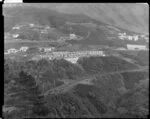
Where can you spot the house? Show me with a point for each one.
(135, 37)
(6, 53)
(15, 35)
(130, 37)
(122, 34)
(136, 47)
(122, 37)
(16, 27)
(44, 31)
(142, 36)
(12, 50)
(72, 36)
(72, 60)
(47, 27)
(24, 49)
(121, 48)
(31, 25)
(49, 49)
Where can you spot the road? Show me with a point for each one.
(65, 87)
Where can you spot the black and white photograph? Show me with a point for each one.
(76, 60)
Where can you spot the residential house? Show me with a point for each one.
(72, 36)
(136, 47)
(16, 28)
(15, 35)
(49, 49)
(24, 49)
(12, 50)
(130, 37)
(136, 37)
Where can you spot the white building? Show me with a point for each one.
(72, 60)
(130, 37)
(47, 27)
(16, 27)
(32, 25)
(122, 34)
(48, 49)
(15, 35)
(136, 47)
(6, 53)
(135, 37)
(12, 50)
(72, 36)
(122, 37)
(44, 31)
(120, 48)
(24, 49)
(142, 36)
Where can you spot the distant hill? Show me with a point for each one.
(98, 29)
(130, 16)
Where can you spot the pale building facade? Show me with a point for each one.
(136, 47)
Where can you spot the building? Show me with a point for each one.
(49, 49)
(12, 50)
(44, 31)
(72, 60)
(32, 25)
(15, 35)
(142, 36)
(135, 37)
(16, 28)
(47, 27)
(72, 36)
(120, 48)
(136, 47)
(122, 36)
(24, 49)
(130, 37)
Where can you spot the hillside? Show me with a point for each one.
(71, 60)
(133, 17)
(42, 23)
(78, 93)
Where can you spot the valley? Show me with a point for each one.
(66, 87)
(65, 60)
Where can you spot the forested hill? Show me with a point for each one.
(130, 16)
(121, 92)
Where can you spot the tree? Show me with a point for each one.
(31, 100)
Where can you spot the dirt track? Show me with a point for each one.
(65, 87)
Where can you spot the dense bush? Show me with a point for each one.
(48, 74)
(28, 96)
(135, 102)
(105, 64)
(113, 95)
(131, 78)
(141, 57)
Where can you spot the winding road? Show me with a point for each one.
(63, 88)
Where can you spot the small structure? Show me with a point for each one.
(136, 47)
(121, 48)
(24, 49)
(72, 60)
(15, 35)
(47, 49)
(136, 37)
(130, 37)
(16, 28)
(72, 36)
(32, 25)
(12, 50)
